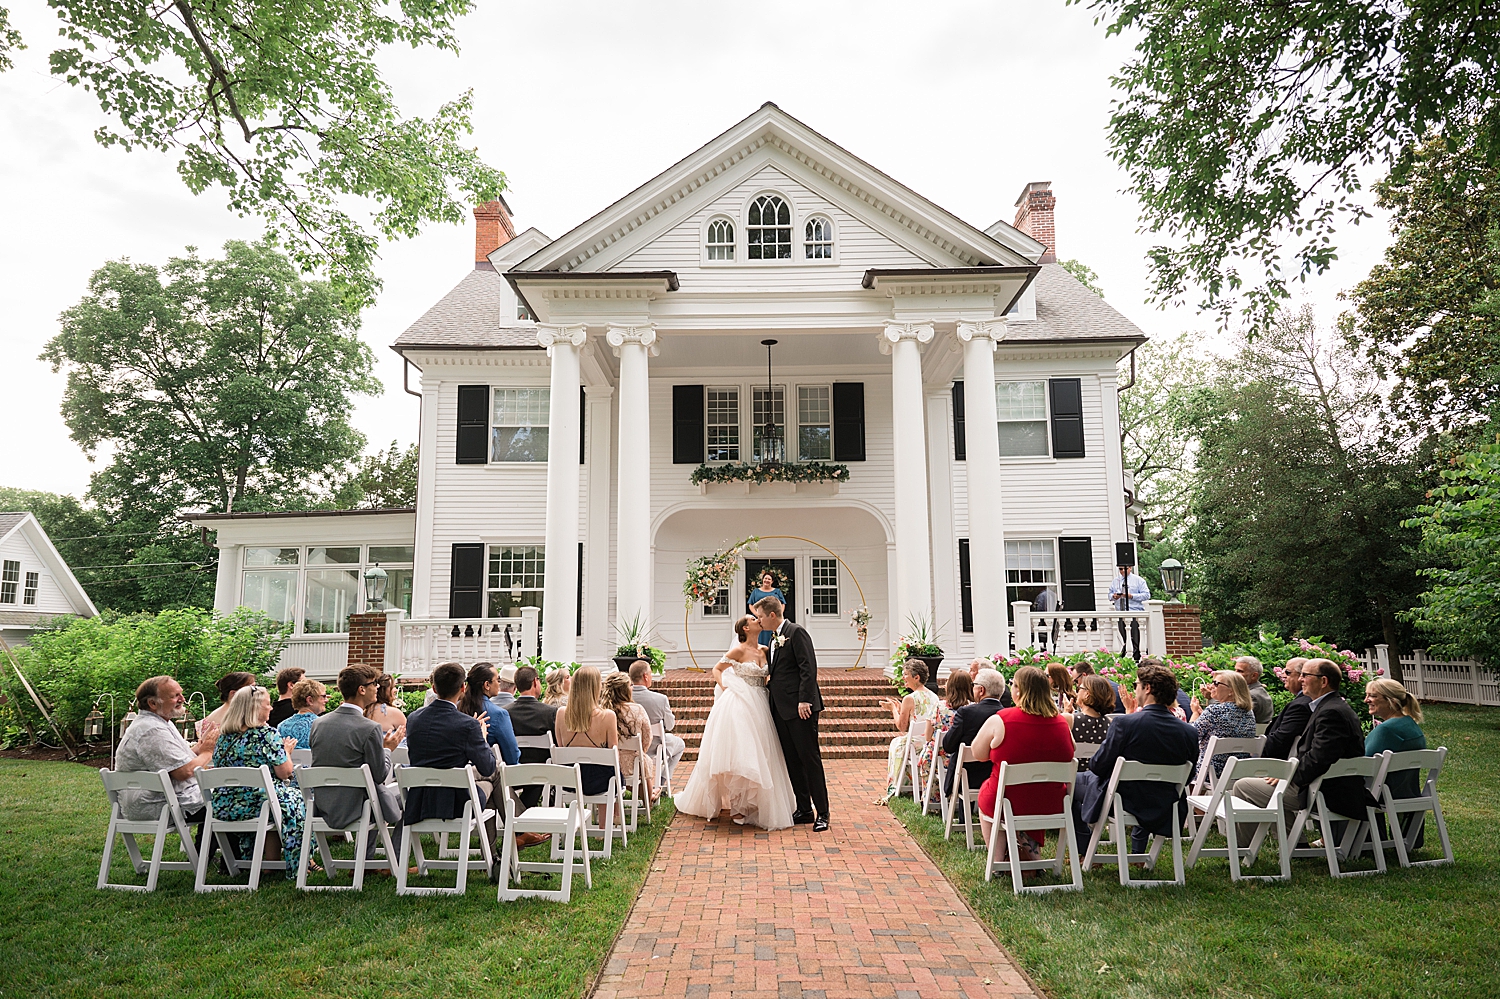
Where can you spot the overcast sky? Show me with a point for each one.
(579, 103)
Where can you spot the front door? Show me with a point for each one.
(786, 569)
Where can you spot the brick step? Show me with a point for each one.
(693, 727)
(681, 705)
(871, 711)
(830, 752)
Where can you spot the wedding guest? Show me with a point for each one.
(226, 685)
(768, 588)
(979, 664)
(1250, 668)
(153, 743)
(583, 723)
(659, 710)
(958, 691)
(967, 722)
(506, 696)
(1229, 715)
(310, 698)
(286, 679)
(246, 739)
(1181, 707)
(1286, 728)
(631, 720)
(1061, 682)
(478, 700)
(1031, 732)
(1129, 592)
(1096, 699)
(346, 738)
(920, 704)
(385, 711)
(529, 715)
(1085, 668)
(558, 682)
(1397, 717)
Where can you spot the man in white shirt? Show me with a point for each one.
(153, 743)
(1129, 592)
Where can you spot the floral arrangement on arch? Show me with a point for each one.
(859, 620)
(708, 574)
(766, 471)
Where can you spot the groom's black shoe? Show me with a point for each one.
(821, 824)
(803, 818)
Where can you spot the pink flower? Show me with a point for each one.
(1013, 661)
(1355, 674)
(1306, 645)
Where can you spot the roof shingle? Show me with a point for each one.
(468, 316)
(1066, 310)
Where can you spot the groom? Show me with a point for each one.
(795, 703)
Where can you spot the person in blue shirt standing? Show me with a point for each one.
(1129, 592)
(768, 588)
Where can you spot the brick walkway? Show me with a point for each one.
(857, 911)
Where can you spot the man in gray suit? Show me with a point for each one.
(659, 710)
(344, 737)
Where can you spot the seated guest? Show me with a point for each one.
(310, 698)
(659, 710)
(1149, 734)
(1085, 668)
(1250, 669)
(346, 738)
(979, 664)
(1397, 716)
(478, 700)
(558, 682)
(1096, 698)
(530, 716)
(153, 743)
(283, 709)
(631, 720)
(967, 722)
(1229, 714)
(246, 739)
(1061, 682)
(1031, 732)
(958, 691)
(920, 703)
(1286, 728)
(584, 724)
(385, 710)
(506, 695)
(226, 685)
(1181, 706)
(441, 736)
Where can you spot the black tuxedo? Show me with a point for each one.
(1286, 728)
(1151, 735)
(967, 721)
(1332, 734)
(793, 681)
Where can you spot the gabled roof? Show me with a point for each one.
(26, 524)
(1066, 310)
(771, 126)
(469, 317)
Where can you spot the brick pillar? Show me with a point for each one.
(367, 640)
(1184, 625)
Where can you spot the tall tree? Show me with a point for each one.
(1245, 125)
(383, 479)
(215, 382)
(1158, 447)
(283, 105)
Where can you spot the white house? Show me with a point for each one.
(571, 387)
(36, 585)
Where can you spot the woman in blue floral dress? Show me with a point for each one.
(247, 740)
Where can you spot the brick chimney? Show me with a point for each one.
(492, 230)
(1034, 217)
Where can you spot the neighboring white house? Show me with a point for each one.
(36, 585)
(570, 388)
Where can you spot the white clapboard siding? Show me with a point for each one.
(50, 598)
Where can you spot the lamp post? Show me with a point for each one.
(1171, 578)
(375, 583)
(772, 446)
(93, 724)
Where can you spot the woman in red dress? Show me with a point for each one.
(1031, 732)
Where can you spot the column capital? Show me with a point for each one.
(894, 333)
(643, 336)
(548, 335)
(993, 330)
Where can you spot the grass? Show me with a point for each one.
(60, 937)
(1419, 932)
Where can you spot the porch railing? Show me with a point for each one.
(414, 647)
(1067, 632)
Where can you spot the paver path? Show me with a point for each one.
(857, 911)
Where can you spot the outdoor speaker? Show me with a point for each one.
(1124, 553)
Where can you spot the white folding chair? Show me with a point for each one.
(266, 821)
(1356, 830)
(916, 738)
(934, 771)
(635, 783)
(1405, 839)
(400, 757)
(1084, 751)
(962, 796)
(1008, 825)
(471, 821)
(301, 757)
(610, 800)
(1260, 728)
(370, 821)
(1203, 784)
(1223, 807)
(168, 820)
(564, 823)
(543, 741)
(663, 760)
(1118, 821)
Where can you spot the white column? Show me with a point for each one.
(947, 610)
(560, 595)
(982, 458)
(227, 581)
(632, 344)
(598, 633)
(909, 446)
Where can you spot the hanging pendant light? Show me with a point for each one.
(772, 444)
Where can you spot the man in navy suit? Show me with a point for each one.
(1149, 734)
(1287, 727)
(991, 694)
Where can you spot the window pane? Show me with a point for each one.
(392, 553)
(519, 444)
(814, 443)
(1018, 440)
(331, 597)
(1021, 400)
(766, 406)
(814, 433)
(398, 589)
(333, 556)
(825, 586)
(273, 592)
(33, 580)
(719, 607)
(522, 407)
(271, 556)
(10, 580)
(525, 564)
(768, 234)
(1030, 562)
(502, 604)
(723, 425)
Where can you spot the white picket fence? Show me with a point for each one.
(1453, 681)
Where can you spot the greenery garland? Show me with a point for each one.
(769, 471)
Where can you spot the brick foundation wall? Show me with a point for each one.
(367, 640)
(1184, 624)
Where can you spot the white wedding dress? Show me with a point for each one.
(740, 765)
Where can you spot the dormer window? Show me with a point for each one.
(721, 240)
(819, 242)
(768, 230)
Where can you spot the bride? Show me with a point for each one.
(740, 765)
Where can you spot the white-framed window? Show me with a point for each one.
(396, 560)
(768, 229)
(519, 424)
(766, 405)
(819, 238)
(720, 240)
(10, 581)
(33, 580)
(270, 583)
(1030, 567)
(316, 588)
(825, 586)
(332, 590)
(517, 575)
(814, 423)
(719, 606)
(722, 424)
(1021, 409)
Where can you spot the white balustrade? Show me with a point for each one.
(429, 643)
(1065, 632)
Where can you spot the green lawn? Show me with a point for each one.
(1420, 932)
(60, 937)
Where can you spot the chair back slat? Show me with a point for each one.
(1430, 760)
(568, 755)
(1086, 750)
(316, 777)
(523, 774)
(543, 741)
(1237, 767)
(302, 758)
(1013, 774)
(1354, 766)
(132, 780)
(212, 778)
(414, 777)
(400, 757)
(1136, 770)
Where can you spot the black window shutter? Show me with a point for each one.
(583, 424)
(687, 424)
(1067, 417)
(1075, 563)
(472, 445)
(466, 581)
(965, 584)
(579, 626)
(848, 421)
(960, 435)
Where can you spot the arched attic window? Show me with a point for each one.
(819, 238)
(720, 240)
(768, 229)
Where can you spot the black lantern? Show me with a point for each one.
(772, 444)
(1172, 574)
(375, 581)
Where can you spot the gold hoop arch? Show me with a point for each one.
(687, 615)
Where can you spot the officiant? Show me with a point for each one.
(768, 588)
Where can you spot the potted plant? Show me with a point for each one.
(918, 643)
(634, 645)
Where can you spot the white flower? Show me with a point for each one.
(778, 641)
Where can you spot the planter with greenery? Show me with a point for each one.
(634, 645)
(762, 472)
